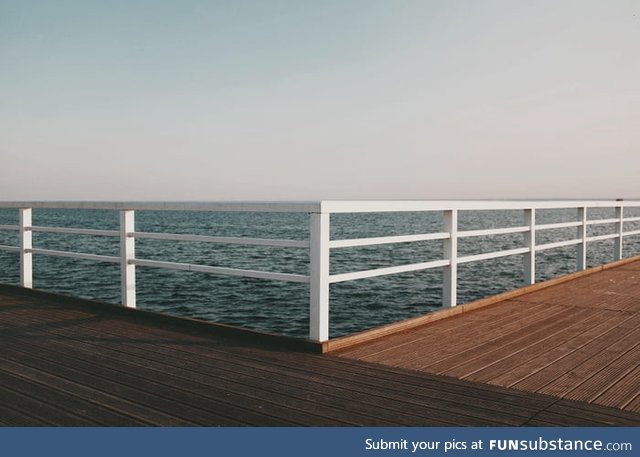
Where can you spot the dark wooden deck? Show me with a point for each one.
(579, 340)
(70, 362)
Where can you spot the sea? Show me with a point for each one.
(283, 307)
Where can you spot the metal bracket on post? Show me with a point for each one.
(127, 253)
(319, 277)
(617, 247)
(581, 234)
(26, 244)
(450, 279)
(530, 242)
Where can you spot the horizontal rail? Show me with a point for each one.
(387, 240)
(602, 221)
(557, 244)
(75, 255)
(466, 205)
(328, 206)
(10, 227)
(221, 239)
(9, 248)
(492, 255)
(74, 231)
(631, 219)
(558, 225)
(269, 207)
(498, 231)
(387, 271)
(220, 270)
(633, 232)
(603, 237)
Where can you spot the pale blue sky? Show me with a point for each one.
(296, 100)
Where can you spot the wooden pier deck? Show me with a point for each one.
(72, 362)
(579, 340)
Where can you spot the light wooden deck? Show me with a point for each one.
(579, 340)
(71, 362)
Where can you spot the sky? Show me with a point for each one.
(309, 100)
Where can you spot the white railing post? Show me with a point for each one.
(581, 234)
(530, 242)
(127, 253)
(617, 247)
(319, 277)
(26, 244)
(450, 279)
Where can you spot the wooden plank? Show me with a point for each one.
(204, 409)
(617, 367)
(634, 404)
(592, 364)
(559, 417)
(138, 412)
(621, 393)
(494, 317)
(463, 363)
(139, 394)
(630, 266)
(519, 372)
(611, 289)
(584, 414)
(544, 378)
(41, 411)
(12, 418)
(83, 412)
(447, 347)
(543, 347)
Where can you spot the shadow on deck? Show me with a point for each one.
(74, 362)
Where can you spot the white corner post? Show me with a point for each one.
(530, 243)
(127, 254)
(617, 247)
(26, 244)
(319, 277)
(581, 234)
(450, 272)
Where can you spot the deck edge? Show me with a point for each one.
(194, 326)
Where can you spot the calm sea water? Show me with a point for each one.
(283, 307)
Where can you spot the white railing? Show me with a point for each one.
(319, 243)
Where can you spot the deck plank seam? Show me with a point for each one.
(561, 374)
(106, 379)
(611, 362)
(522, 361)
(574, 350)
(551, 319)
(168, 397)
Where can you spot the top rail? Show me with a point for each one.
(325, 206)
(269, 207)
(367, 206)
